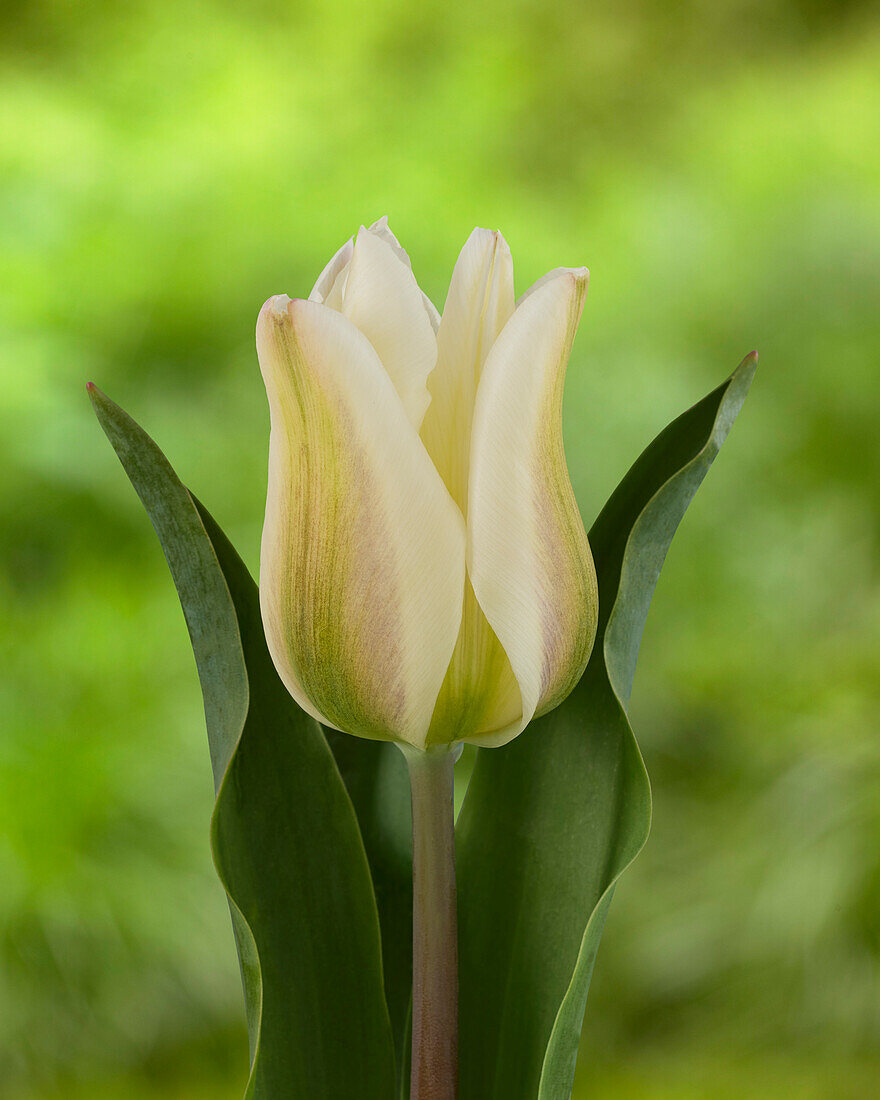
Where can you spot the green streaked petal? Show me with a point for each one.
(362, 565)
(528, 556)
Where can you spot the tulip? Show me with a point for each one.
(425, 576)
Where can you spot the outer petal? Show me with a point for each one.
(480, 693)
(362, 562)
(528, 556)
(549, 277)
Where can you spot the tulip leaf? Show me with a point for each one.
(285, 837)
(551, 820)
(377, 779)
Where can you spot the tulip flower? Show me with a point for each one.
(425, 576)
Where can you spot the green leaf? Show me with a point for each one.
(284, 833)
(377, 779)
(551, 820)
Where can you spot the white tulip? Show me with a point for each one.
(425, 576)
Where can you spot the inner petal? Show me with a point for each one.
(378, 293)
(479, 303)
(480, 693)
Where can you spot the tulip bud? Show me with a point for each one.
(425, 576)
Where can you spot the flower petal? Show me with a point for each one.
(362, 561)
(528, 556)
(382, 230)
(335, 273)
(479, 304)
(335, 266)
(549, 277)
(480, 693)
(382, 298)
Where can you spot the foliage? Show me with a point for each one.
(548, 825)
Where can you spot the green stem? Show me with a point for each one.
(435, 936)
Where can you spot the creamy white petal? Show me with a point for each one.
(479, 304)
(431, 310)
(382, 229)
(330, 284)
(337, 264)
(335, 272)
(382, 298)
(362, 559)
(549, 277)
(528, 556)
(480, 692)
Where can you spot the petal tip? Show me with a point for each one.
(276, 307)
(494, 235)
(578, 277)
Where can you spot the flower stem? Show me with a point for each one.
(435, 937)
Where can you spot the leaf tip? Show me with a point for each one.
(101, 404)
(745, 372)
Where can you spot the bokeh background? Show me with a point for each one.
(164, 167)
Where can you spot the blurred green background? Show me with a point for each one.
(166, 166)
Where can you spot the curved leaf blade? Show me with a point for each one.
(375, 775)
(647, 506)
(552, 820)
(284, 833)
